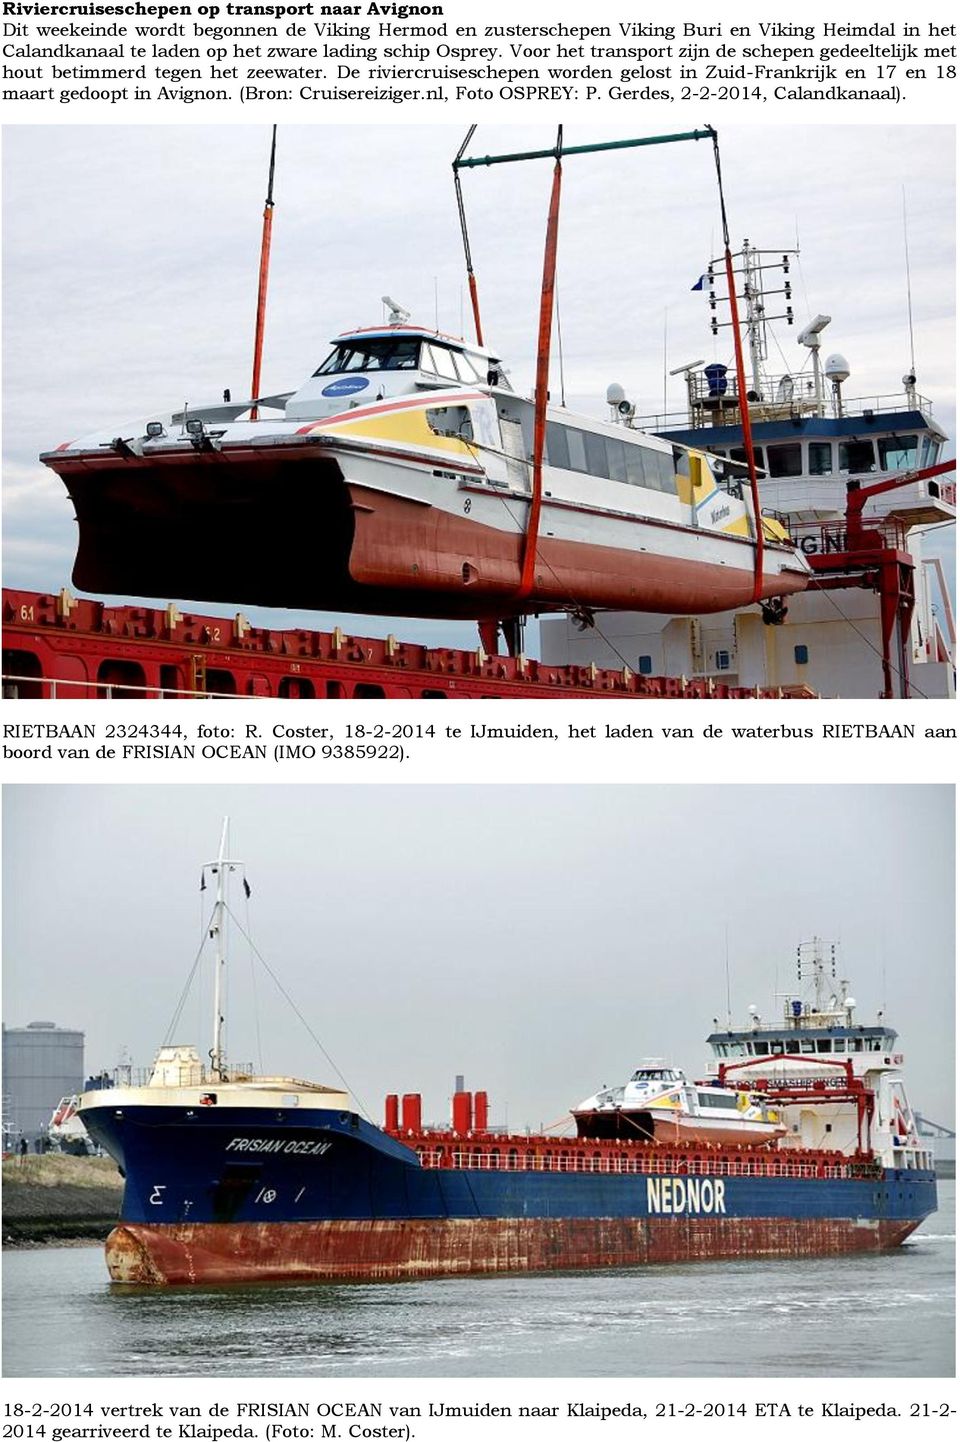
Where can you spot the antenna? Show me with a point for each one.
(665, 313)
(906, 256)
(726, 967)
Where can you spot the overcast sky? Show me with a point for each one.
(131, 259)
(541, 941)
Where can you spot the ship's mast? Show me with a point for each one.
(217, 1058)
(812, 961)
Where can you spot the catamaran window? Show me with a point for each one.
(558, 452)
(854, 1043)
(785, 460)
(820, 458)
(386, 353)
(469, 368)
(577, 450)
(760, 1048)
(806, 1046)
(610, 458)
(856, 457)
(616, 460)
(792, 1047)
(716, 1099)
(823, 1044)
(596, 454)
(666, 475)
(441, 361)
(839, 1043)
(636, 457)
(897, 453)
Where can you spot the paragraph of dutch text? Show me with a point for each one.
(312, 55)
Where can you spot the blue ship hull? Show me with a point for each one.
(244, 1193)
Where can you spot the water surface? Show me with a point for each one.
(883, 1315)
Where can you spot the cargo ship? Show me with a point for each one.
(234, 1177)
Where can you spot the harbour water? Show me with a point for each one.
(889, 1315)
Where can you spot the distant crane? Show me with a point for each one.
(927, 1128)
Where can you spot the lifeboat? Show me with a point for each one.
(398, 480)
(658, 1104)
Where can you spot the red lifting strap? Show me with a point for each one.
(532, 535)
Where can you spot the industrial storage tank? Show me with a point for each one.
(42, 1062)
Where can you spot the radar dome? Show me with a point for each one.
(615, 393)
(836, 367)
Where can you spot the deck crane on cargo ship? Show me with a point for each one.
(405, 477)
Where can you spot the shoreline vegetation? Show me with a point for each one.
(59, 1199)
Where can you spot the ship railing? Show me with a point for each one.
(175, 1074)
(48, 688)
(643, 1162)
(709, 407)
(831, 538)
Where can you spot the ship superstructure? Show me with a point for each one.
(812, 443)
(838, 1082)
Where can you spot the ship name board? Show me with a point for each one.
(278, 1144)
(670, 1196)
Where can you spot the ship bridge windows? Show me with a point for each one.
(857, 458)
(738, 453)
(823, 1043)
(820, 458)
(384, 353)
(441, 362)
(786, 460)
(897, 453)
(930, 452)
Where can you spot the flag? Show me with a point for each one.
(700, 283)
